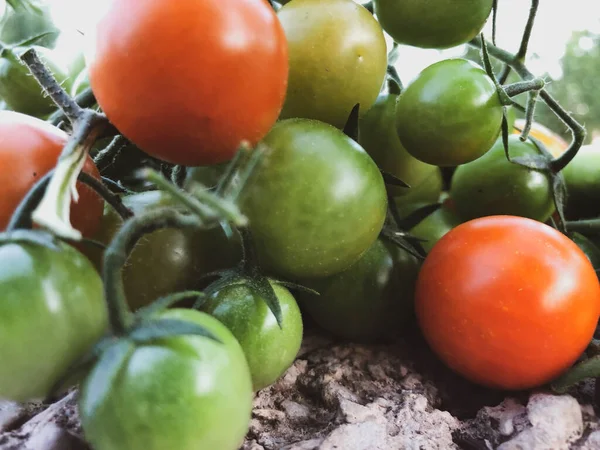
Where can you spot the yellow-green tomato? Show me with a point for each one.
(269, 349)
(582, 177)
(338, 58)
(377, 135)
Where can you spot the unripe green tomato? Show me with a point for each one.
(450, 114)
(427, 192)
(492, 185)
(433, 227)
(582, 177)
(338, 58)
(371, 299)
(377, 135)
(432, 23)
(269, 350)
(21, 91)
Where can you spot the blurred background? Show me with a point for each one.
(564, 48)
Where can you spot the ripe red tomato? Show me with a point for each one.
(29, 148)
(188, 80)
(508, 302)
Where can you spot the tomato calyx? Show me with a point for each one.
(394, 230)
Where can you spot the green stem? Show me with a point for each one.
(504, 75)
(249, 256)
(527, 32)
(393, 86)
(107, 156)
(521, 87)
(494, 21)
(588, 226)
(86, 99)
(529, 114)
(116, 254)
(393, 74)
(50, 86)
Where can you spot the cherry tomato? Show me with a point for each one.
(371, 299)
(52, 311)
(552, 141)
(29, 148)
(492, 185)
(437, 224)
(167, 260)
(316, 202)
(269, 350)
(185, 393)
(188, 81)
(432, 24)
(377, 135)
(426, 192)
(21, 91)
(338, 58)
(508, 302)
(450, 114)
(581, 179)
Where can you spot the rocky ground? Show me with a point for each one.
(364, 397)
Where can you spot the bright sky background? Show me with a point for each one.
(555, 23)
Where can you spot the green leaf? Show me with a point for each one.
(264, 289)
(295, 287)
(165, 302)
(588, 368)
(105, 372)
(351, 127)
(396, 238)
(393, 180)
(164, 328)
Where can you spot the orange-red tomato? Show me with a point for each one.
(29, 148)
(188, 80)
(508, 302)
(555, 144)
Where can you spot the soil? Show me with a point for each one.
(350, 396)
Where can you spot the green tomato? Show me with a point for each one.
(52, 310)
(167, 260)
(269, 350)
(492, 185)
(427, 192)
(338, 58)
(369, 300)
(588, 247)
(184, 392)
(377, 135)
(432, 23)
(583, 184)
(19, 26)
(21, 91)
(433, 227)
(316, 202)
(450, 114)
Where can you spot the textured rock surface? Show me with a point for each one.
(364, 397)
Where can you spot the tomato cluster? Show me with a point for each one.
(362, 204)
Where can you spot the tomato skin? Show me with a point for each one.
(168, 260)
(21, 91)
(450, 114)
(29, 149)
(185, 392)
(436, 225)
(269, 350)
(326, 200)
(581, 179)
(221, 81)
(433, 23)
(426, 192)
(52, 311)
(508, 302)
(377, 135)
(552, 141)
(371, 299)
(491, 185)
(338, 58)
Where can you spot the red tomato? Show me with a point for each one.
(508, 302)
(188, 80)
(29, 148)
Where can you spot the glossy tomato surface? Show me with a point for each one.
(52, 310)
(338, 58)
(492, 185)
(583, 183)
(432, 23)
(316, 202)
(185, 392)
(508, 302)
(188, 80)
(269, 349)
(449, 114)
(29, 148)
(373, 298)
(167, 260)
(377, 135)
